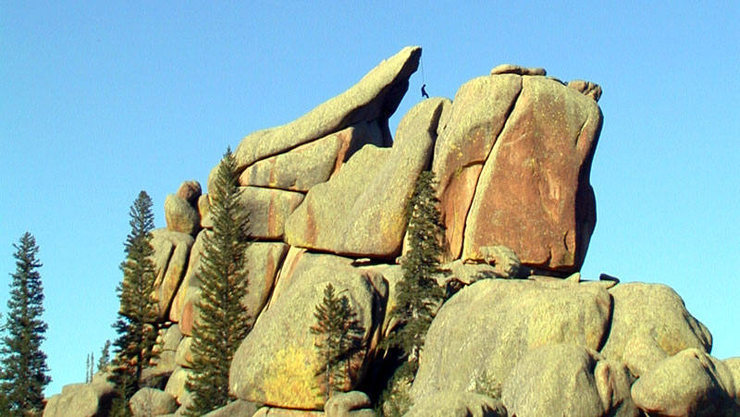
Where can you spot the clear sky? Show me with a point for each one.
(99, 100)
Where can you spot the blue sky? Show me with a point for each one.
(99, 100)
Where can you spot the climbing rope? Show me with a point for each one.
(423, 80)
(423, 77)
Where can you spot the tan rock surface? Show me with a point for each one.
(342, 404)
(516, 69)
(377, 94)
(180, 215)
(276, 364)
(80, 400)
(263, 261)
(650, 322)
(301, 168)
(690, 383)
(457, 404)
(733, 364)
(554, 380)
(148, 402)
(483, 331)
(176, 385)
(360, 211)
(268, 210)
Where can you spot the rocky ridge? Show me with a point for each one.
(526, 335)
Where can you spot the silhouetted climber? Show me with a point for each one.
(424, 91)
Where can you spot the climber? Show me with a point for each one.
(424, 91)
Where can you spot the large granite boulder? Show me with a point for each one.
(301, 168)
(190, 191)
(560, 380)
(375, 96)
(688, 384)
(533, 193)
(184, 353)
(176, 385)
(171, 254)
(81, 400)
(263, 262)
(277, 363)
(650, 323)
(180, 215)
(360, 211)
(483, 331)
(148, 402)
(733, 364)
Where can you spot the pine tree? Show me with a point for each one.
(135, 325)
(340, 336)
(222, 321)
(89, 368)
(25, 373)
(104, 360)
(419, 296)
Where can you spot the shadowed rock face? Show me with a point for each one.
(690, 383)
(650, 324)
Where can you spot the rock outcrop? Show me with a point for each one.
(690, 383)
(82, 400)
(327, 196)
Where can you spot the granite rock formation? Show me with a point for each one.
(525, 336)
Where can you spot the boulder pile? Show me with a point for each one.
(526, 335)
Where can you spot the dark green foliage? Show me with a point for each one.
(419, 296)
(340, 336)
(395, 400)
(135, 325)
(104, 360)
(89, 368)
(222, 323)
(24, 370)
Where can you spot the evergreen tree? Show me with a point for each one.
(24, 369)
(104, 360)
(137, 315)
(419, 296)
(222, 321)
(339, 338)
(89, 368)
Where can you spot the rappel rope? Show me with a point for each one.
(423, 80)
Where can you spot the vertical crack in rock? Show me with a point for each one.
(494, 149)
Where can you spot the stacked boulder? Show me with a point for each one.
(326, 196)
